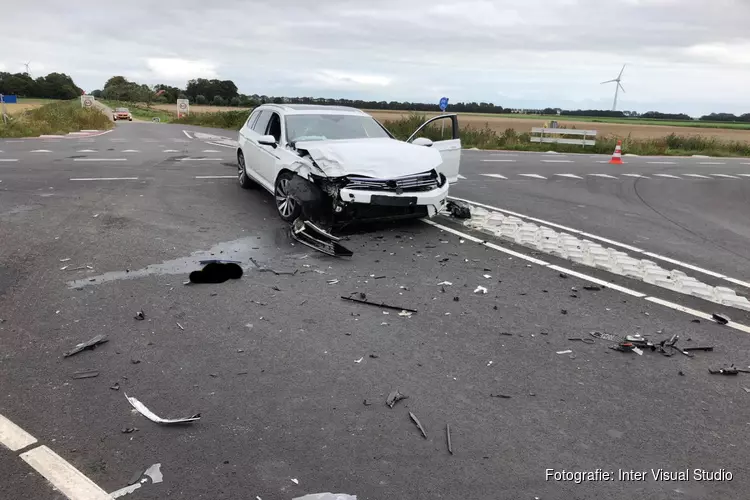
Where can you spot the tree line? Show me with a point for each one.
(225, 93)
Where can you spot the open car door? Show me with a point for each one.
(441, 133)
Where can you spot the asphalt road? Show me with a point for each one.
(291, 380)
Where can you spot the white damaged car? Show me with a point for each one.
(334, 164)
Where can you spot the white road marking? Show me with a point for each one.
(215, 176)
(557, 161)
(744, 175)
(533, 176)
(740, 163)
(726, 176)
(100, 159)
(570, 176)
(62, 475)
(200, 159)
(105, 179)
(697, 176)
(13, 437)
(661, 162)
(606, 176)
(712, 163)
(506, 161)
(628, 291)
(209, 151)
(86, 151)
(635, 175)
(222, 145)
(188, 135)
(170, 151)
(40, 151)
(8, 159)
(130, 151)
(668, 176)
(608, 241)
(461, 176)
(496, 176)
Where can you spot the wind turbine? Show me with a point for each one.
(27, 68)
(617, 87)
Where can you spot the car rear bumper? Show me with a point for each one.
(382, 204)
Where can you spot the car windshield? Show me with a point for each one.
(122, 110)
(312, 127)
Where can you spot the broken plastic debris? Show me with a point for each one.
(326, 496)
(332, 282)
(458, 209)
(295, 480)
(85, 374)
(386, 306)
(65, 260)
(394, 397)
(487, 276)
(359, 360)
(490, 363)
(155, 418)
(448, 438)
(153, 472)
(418, 424)
(446, 283)
(722, 319)
(140, 316)
(180, 326)
(592, 288)
(91, 344)
(406, 314)
(480, 289)
(216, 272)
(564, 352)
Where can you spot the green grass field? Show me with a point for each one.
(56, 117)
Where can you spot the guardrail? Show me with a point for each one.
(550, 132)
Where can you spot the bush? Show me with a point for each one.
(200, 99)
(231, 120)
(219, 101)
(235, 101)
(56, 118)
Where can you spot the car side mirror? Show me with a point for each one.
(267, 140)
(422, 141)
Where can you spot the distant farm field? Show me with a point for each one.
(26, 104)
(196, 108)
(499, 123)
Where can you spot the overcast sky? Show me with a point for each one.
(682, 55)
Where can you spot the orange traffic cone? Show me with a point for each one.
(617, 155)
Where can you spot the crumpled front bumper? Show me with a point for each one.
(394, 205)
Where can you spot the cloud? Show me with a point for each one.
(685, 55)
(175, 69)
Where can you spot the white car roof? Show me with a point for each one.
(313, 109)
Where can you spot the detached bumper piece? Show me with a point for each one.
(314, 237)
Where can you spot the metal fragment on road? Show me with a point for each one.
(386, 306)
(157, 419)
(418, 424)
(448, 438)
(480, 289)
(295, 480)
(564, 352)
(722, 319)
(445, 283)
(140, 316)
(180, 326)
(91, 344)
(85, 374)
(394, 397)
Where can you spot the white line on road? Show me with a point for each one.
(610, 242)
(86, 151)
(130, 151)
(170, 151)
(201, 159)
(40, 151)
(712, 163)
(188, 135)
(661, 162)
(222, 145)
(570, 176)
(533, 176)
(13, 437)
(8, 159)
(622, 289)
(100, 159)
(495, 176)
(105, 179)
(744, 175)
(506, 161)
(557, 161)
(697, 176)
(210, 151)
(635, 175)
(63, 476)
(668, 176)
(606, 176)
(726, 176)
(215, 176)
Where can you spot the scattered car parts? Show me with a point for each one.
(91, 344)
(216, 272)
(157, 419)
(382, 304)
(394, 397)
(418, 424)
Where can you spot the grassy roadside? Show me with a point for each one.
(59, 117)
(141, 112)
(231, 120)
(486, 138)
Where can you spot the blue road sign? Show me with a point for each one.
(9, 99)
(443, 103)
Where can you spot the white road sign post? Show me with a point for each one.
(183, 107)
(87, 101)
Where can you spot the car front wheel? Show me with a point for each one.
(242, 177)
(289, 208)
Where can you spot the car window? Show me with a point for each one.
(262, 122)
(253, 117)
(310, 127)
(274, 127)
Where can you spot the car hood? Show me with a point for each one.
(382, 158)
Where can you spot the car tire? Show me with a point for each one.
(245, 181)
(114, 119)
(288, 208)
(130, 119)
